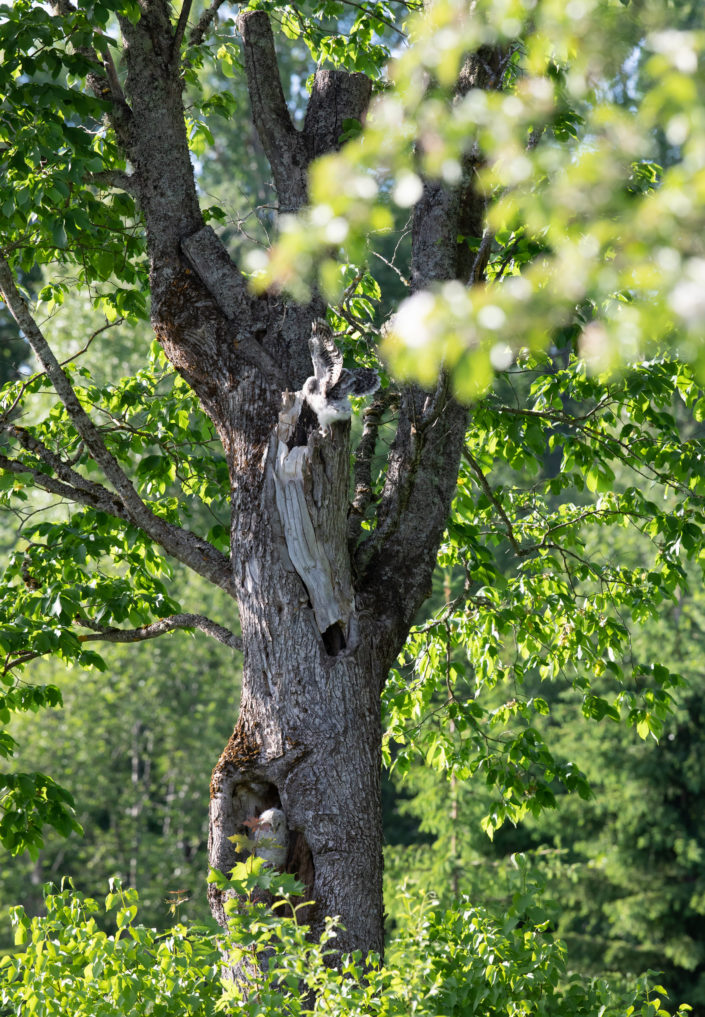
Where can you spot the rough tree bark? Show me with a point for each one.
(323, 613)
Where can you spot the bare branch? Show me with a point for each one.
(393, 267)
(282, 143)
(138, 635)
(180, 28)
(159, 627)
(89, 340)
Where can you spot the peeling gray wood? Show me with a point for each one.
(305, 485)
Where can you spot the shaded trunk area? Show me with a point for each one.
(308, 736)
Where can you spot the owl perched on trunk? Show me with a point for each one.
(271, 838)
(327, 390)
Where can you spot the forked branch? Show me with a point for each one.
(51, 485)
(98, 495)
(336, 96)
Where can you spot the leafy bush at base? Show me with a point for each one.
(70, 968)
(445, 963)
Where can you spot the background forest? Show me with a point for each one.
(621, 868)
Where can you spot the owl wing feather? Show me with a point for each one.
(359, 382)
(325, 355)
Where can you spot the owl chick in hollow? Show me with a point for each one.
(271, 838)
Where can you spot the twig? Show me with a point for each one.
(375, 17)
(393, 268)
(484, 484)
(355, 323)
(204, 22)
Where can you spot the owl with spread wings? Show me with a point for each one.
(327, 390)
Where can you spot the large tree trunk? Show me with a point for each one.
(316, 654)
(323, 613)
(308, 736)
